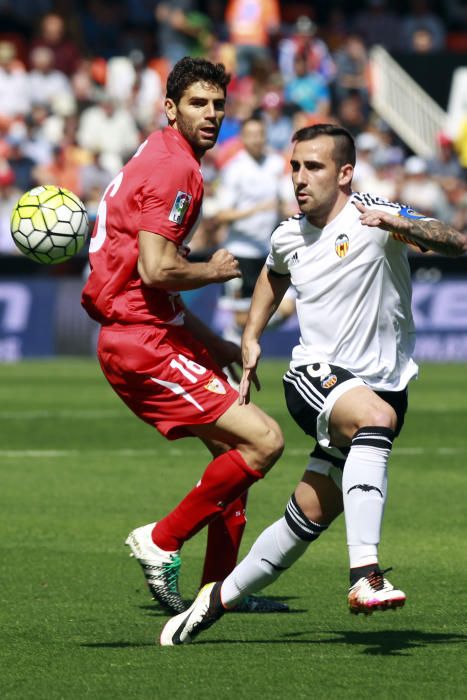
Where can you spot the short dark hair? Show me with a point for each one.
(344, 145)
(192, 70)
(255, 118)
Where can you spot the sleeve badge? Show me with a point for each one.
(180, 207)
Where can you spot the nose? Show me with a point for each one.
(210, 110)
(300, 176)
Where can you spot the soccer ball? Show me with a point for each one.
(49, 224)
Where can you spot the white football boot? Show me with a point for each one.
(374, 592)
(204, 611)
(161, 569)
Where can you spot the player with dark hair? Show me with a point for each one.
(162, 361)
(346, 256)
(249, 201)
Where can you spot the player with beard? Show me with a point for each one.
(346, 256)
(162, 361)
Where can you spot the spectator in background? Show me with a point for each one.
(94, 178)
(102, 27)
(248, 90)
(53, 35)
(421, 42)
(336, 29)
(366, 145)
(45, 82)
(420, 191)
(14, 95)
(62, 170)
(9, 194)
(20, 164)
(350, 113)
(304, 42)
(308, 91)
(109, 129)
(421, 19)
(84, 86)
(130, 81)
(378, 24)
(181, 30)
(445, 164)
(37, 141)
(252, 25)
(249, 204)
(352, 70)
(278, 123)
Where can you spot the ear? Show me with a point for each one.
(170, 110)
(345, 174)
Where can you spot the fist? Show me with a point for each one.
(225, 265)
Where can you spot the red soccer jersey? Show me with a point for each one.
(159, 190)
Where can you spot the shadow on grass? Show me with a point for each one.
(116, 645)
(388, 643)
(381, 643)
(156, 611)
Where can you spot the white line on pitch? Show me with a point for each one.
(65, 413)
(178, 452)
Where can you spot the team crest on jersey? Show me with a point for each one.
(180, 207)
(341, 245)
(329, 381)
(216, 386)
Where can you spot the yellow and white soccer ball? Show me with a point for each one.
(49, 224)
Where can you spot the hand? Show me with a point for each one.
(381, 219)
(228, 354)
(225, 265)
(251, 352)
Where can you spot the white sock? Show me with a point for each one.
(275, 550)
(364, 488)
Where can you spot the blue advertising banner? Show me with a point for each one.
(26, 318)
(43, 317)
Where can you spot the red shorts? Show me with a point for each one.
(165, 375)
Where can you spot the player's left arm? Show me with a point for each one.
(427, 233)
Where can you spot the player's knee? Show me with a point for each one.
(273, 445)
(267, 448)
(379, 417)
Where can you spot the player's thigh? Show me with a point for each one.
(360, 407)
(311, 392)
(250, 430)
(166, 377)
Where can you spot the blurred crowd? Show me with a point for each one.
(82, 84)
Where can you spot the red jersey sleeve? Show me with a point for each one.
(171, 200)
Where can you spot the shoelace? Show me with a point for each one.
(171, 573)
(376, 578)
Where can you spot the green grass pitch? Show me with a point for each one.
(78, 471)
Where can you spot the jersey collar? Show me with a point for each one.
(176, 136)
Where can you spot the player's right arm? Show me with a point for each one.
(160, 264)
(426, 233)
(269, 291)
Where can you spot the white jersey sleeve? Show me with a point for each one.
(373, 201)
(278, 257)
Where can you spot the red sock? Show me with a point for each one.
(224, 479)
(224, 536)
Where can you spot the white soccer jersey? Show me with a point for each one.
(353, 294)
(245, 184)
